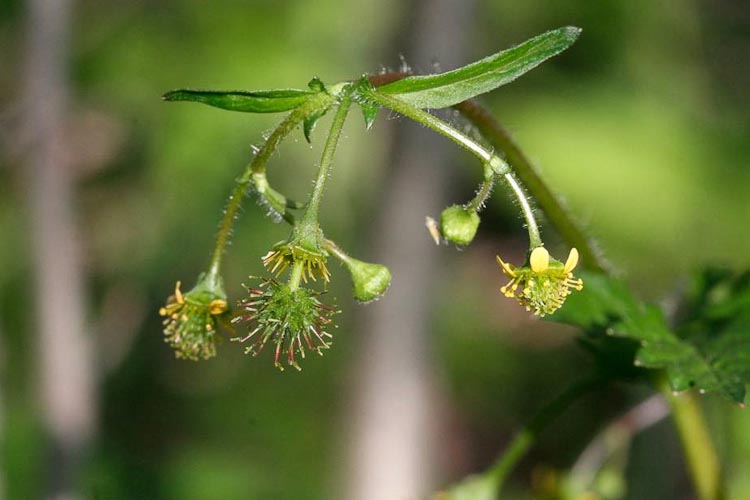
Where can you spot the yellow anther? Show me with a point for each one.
(539, 259)
(572, 261)
(217, 306)
(505, 267)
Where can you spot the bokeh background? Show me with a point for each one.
(108, 196)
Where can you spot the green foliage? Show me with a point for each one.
(711, 352)
(452, 87)
(255, 101)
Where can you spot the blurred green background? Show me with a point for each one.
(643, 126)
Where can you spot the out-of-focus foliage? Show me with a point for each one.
(643, 127)
(712, 355)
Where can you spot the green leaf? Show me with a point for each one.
(256, 101)
(447, 89)
(712, 356)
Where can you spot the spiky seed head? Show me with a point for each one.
(293, 321)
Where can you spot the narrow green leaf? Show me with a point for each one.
(256, 101)
(446, 89)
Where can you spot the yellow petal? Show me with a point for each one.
(178, 294)
(539, 259)
(572, 261)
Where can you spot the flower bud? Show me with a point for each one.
(369, 281)
(459, 225)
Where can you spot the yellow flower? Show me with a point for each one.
(285, 254)
(190, 322)
(543, 285)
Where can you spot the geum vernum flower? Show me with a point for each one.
(190, 320)
(285, 254)
(293, 320)
(543, 284)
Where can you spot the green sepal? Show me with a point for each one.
(255, 101)
(309, 124)
(459, 225)
(208, 287)
(276, 203)
(369, 108)
(369, 112)
(447, 89)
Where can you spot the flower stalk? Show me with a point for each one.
(257, 169)
(310, 217)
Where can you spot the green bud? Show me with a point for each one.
(459, 225)
(369, 281)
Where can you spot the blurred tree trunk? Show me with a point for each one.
(394, 416)
(64, 349)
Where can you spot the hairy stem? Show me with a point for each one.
(311, 213)
(496, 164)
(548, 202)
(439, 126)
(535, 239)
(484, 191)
(258, 167)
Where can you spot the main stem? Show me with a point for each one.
(258, 166)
